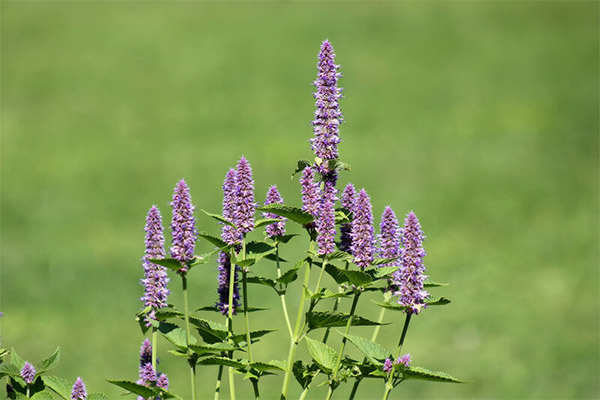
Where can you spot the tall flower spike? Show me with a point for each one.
(78, 392)
(28, 373)
(348, 202)
(389, 238)
(326, 220)
(310, 192)
(145, 353)
(183, 225)
(410, 277)
(230, 234)
(327, 115)
(224, 279)
(147, 374)
(155, 276)
(362, 231)
(277, 228)
(245, 205)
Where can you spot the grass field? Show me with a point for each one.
(482, 117)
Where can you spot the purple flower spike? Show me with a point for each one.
(310, 192)
(155, 276)
(326, 220)
(245, 205)
(389, 239)
(163, 381)
(28, 373)
(224, 279)
(362, 231)
(278, 228)
(388, 365)
(348, 202)
(410, 277)
(183, 225)
(78, 392)
(147, 374)
(327, 115)
(404, 360)
(230, 234)
(145, 353)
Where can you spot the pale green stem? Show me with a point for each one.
(154, 335)
(219, 377)
(282, 295)
(188, 335)
(230, 325)
(389, 384)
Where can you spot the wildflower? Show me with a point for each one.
(147, 374)
(224, 280)
(409, 279)
(387, 365)
(163, 381)
(325, 222)
(404, 360)
(230, 234)
(327, 115)
(310, 192)
(155, 276)
(183, 225)
(362, 231)
(78, 392)
(145, 353)
(245, 206)
(348, 202)
(28, 373)
(277, 228)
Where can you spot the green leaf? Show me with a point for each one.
(302, 373)
(203, 258)
(380, 272)
(374, 352)
(436, 301)
(342, 216)
(60, 386)
(391, 306)
(337, 274)
(289, 276)
(15, 359)
(42, 396)
(337, 165)
(170, 263)
(300, 166)
(224, 361)
(272, 257)
(216, 309)
(422, 373)
(379, 261)
(273, 364)
(168, 312)
(97, 396)
(258, 250)
(213, 239)
(330, 319)
(261, 280)
(266, 221)
(325, 357)
(292, 213)
(429, 283)
(219, 218)
(135, 388)
(211, 332)
(241, 338)
(357, 278)
(202, 349)
(340, 255)
(285, 238)
(175, 334)
(49, 363)
(10, 370)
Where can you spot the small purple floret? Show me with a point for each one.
(277, 228)
(163, 381)
(311, 193)
(78, 392)
(28, 373)
(348, 202)
(327, 115)
(362, 231)
(183, 225)
(224, 280)
(404, 360)
(245, 206)
(388, 365)
(155, 276)
(145, 353)
(230, 234)
(410, 277)
(325, 222)
(147, 374)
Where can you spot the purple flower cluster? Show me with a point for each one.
(230, 234)
(404, 360)
(389, 238)
(243, 216)
(362, 231)
(409, 279)
(183, 225)
(327, 115)
(78, 391)
(155, 276)
(388, 365)
(224, 280)
(148, 376)
(326, 221)
(28, 373)
(277, 228)
(348, 202)
(311, 193)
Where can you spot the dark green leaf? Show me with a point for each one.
(168, 312)
(241, 310)
(340, 255)
(175, 334)
(391, 306)
(203, 349)
(135, 388)
(374, 352)
(285, 238)
(303, 374)
(273, 257)
(336, 273)
(219, 218)
(241, 338)
(213, 239)
(49, 363)
(258, 250)
(266, 221)
(224, 361)
(337, 165)
(300, 166)
(329, 319)
(436, 301)
(357, 278)
(211, 332)
(325, 357)
(15, 359)
(273, 364)
(379, 261)
(429, 283)
(261, 280)
(289, 276)
(170, 263)
(42, 396)
(422, 373)
(292, 213)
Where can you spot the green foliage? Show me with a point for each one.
(42, 396)
(175, 334)
(425, 374)
(323, 355)
(330, 319)
(292, 213)
(59, 385)
(142, 390)
(219, 218)
(374, 352)
(49, 363)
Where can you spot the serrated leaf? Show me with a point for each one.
(379, 261)
(213, 239)
(341, 217)
(49, 363)
(175, 334)
(241, 338)
(423, 373)
(169, 263)
(374, 352)
(168, 312)
(42, 396)
(60, 386)
(285, 238)
(337, 165)
(300, 166)
(219, 218)
(330, 319)
(289, 276)
(97, 396)
(324, 356)
(266, 221)
(211, 332)
(337, 274)
(10, 370)
(241, 310)
(381, 272)
(223, 361)
(203, 258)
(391, 306)
(274, 258)
(135, 388)
(265, 366)
(259, 250)
(328, 294)
(339, 255)
(436, 301)
(261, 280)
(292, 213)
(429, 283)
(357, 278)
(15, 359)
(202, 349)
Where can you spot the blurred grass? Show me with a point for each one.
(481, 117)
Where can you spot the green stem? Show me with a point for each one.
(295, 338)
(335, 307)
(230, 324)
(246, 320)
(282, 295)
(218, 386)
(27, 390)
(348, 325)
(188, 336)
(389, 383)
(323, 265)
(154, 335)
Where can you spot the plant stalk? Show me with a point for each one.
(154, 336)
(389, 383)
(188, 335)
(230, 324)
(282, 295)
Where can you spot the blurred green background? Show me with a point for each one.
(480, 116)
